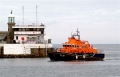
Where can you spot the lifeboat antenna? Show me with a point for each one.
(71, 34)
(78, 34)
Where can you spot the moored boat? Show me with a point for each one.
(76, 49)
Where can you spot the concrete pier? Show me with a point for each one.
(28, 51)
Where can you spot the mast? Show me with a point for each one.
(78, 34)
(36, 15)
(23, 15)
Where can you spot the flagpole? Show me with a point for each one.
(23, 15)
(36, 14)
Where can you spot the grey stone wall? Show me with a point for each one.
(40, 52)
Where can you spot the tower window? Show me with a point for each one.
(11, 19)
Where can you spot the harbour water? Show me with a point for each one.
(43, 67)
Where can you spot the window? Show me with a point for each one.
(16, 29)
(38, 37)
(38, 29)
(16, 37)
(83, 46)
(23, 29)
(27, 38)
(19, 29)
(27, 29)
(34, 29)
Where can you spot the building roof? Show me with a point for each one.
(28, 27)
(2, 36)
(3, 32)
(11, 15)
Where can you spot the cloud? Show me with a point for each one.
(116, 12)
(100, 12)
(98, 21)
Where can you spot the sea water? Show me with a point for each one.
(43, 67)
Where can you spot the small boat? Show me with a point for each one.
(76, 49)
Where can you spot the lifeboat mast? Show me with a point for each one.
(78, 34)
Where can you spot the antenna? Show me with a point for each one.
(23, 15)
(78, 34)
(71, 34)
(77, 31)
(36, 14)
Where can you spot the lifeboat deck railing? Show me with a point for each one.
(100, 51)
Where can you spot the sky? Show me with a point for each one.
(97, 20)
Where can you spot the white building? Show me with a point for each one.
(30, 34)
(21, 38)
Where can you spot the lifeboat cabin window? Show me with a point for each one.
(64, 46)
(83, 46)
(72, 45)
(75, 46)
(68, 46)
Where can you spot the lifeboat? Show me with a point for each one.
(76, 49)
